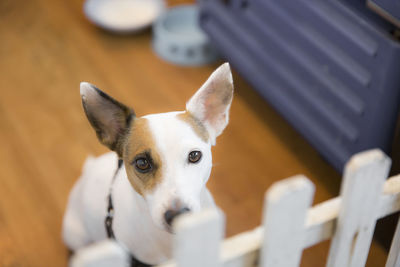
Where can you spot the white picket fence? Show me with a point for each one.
(290, 225)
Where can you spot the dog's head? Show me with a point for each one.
(167, 156)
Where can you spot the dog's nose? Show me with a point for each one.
(170, 215)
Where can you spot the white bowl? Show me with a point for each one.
(123, 16)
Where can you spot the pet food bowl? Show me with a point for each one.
(178, 38)
(123, 16)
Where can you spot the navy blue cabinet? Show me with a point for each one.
(331, 68)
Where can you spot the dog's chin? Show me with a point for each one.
(165, 227)
(168, 228)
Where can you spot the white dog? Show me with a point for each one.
(166, 164)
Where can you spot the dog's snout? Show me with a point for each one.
(170, 215)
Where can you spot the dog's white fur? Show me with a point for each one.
(139, 220)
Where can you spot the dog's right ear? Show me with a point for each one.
(109, 118)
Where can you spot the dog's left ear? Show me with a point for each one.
(211, 103)
(108, 117)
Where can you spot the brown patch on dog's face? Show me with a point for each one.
(142, 162)
(196, 125)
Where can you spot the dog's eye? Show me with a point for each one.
(194, 156)
(142, 165)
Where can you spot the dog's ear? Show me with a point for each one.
(109, 118)
(211, 103)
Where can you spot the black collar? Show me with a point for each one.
(110, 216)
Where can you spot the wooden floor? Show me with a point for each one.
(46, 49)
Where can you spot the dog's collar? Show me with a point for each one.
(110, 208)
(110, 216)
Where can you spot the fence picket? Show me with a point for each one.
(198, 238)
(394, 253)
(285, 209)
(361, 189)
